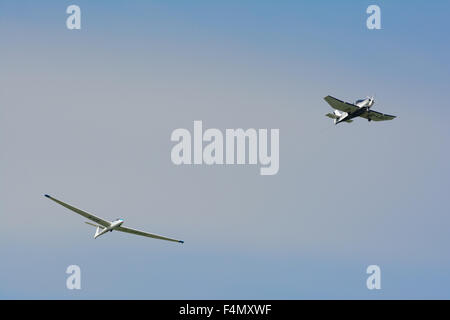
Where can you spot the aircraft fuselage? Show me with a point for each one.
(364, 106)
(112, 226)
(354, 114)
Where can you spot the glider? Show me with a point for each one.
(103, 226)
(361, 108)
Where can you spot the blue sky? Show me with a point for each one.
(87, 115)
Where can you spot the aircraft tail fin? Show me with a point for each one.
(98, 232)
(336, 115)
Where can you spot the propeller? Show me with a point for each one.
(371, 103)
(371, 100)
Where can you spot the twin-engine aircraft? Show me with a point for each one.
(361, 108)
(104, 226)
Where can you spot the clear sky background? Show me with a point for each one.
(87, 115)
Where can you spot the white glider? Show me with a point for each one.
(104, 226)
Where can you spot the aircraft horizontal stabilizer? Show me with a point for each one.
(94, 225)
(334, 116)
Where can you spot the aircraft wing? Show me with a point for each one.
(81, 212)
(145, 234)
(376, 116)
(341, 105)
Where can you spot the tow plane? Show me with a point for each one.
(345, 111)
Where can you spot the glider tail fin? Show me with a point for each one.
(99, 230)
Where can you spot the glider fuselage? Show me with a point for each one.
(116, 223)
